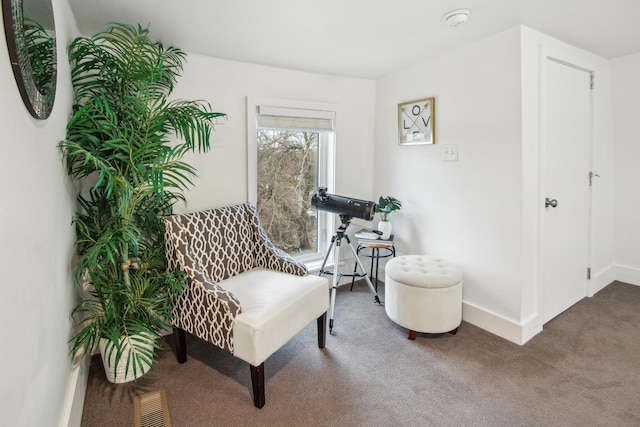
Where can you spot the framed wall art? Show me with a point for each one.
(416, 122)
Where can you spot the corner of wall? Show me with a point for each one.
(600, 279)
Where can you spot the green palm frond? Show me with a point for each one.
(41, 47)
(127, 141)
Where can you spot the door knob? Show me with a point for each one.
(553, 202)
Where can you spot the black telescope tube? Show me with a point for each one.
(341, 205)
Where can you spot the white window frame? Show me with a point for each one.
(326, 176)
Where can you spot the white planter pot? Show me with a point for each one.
(385, 227)
(120, 374)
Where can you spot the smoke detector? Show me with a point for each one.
(457, 17)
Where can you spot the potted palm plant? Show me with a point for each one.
(386, 205)
(126, 140)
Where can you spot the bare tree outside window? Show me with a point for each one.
(287, 176)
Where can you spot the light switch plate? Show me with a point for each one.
(450, 152)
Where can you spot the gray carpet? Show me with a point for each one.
(583, 369)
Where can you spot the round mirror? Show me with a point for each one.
(30, 31)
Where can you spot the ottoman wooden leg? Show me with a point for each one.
(455, 331)
(412, 335)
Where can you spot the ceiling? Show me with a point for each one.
(360, 38)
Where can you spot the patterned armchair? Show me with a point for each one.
(244, 295)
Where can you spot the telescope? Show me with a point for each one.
(347, 208)
(343, 206)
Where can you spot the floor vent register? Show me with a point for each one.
(151, 410)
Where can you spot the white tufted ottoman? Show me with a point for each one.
(423, 294)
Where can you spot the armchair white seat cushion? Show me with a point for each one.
(275, 306)
(244, 295)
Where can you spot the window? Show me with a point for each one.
(290, 156)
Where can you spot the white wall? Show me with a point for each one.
(222, 173)
(468, 211)
(625, 78)
(36, 292)
(482, 212)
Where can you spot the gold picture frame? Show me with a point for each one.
(416, 122)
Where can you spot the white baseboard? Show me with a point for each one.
(520, 333)
(530, 328)
(601, 279)
(627, 274)
(499, 325)
(76, 389)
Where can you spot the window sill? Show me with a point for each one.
(314, 266)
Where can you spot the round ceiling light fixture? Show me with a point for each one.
(457, 17)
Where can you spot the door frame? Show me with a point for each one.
(565, 59)
(534, 47)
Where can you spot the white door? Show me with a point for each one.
(566, 160)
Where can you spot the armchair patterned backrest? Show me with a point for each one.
(211, 246)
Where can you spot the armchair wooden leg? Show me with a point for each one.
(257, 380)
(322, 330)
(180, 341)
